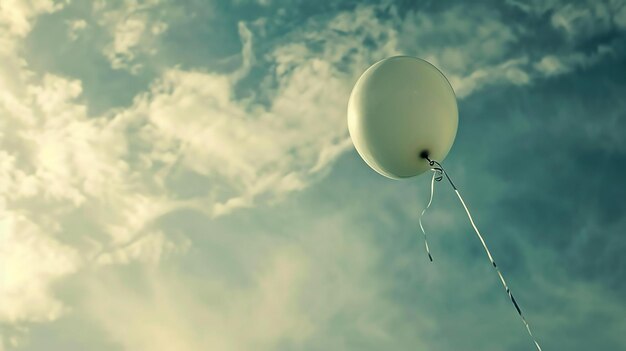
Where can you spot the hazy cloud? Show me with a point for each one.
(201, 214)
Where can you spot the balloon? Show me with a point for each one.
(401, 109)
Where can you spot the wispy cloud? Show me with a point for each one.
(180, 206)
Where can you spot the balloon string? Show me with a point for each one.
(436, 176)
(439, 169)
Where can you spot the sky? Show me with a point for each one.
(178, 175)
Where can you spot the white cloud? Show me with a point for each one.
(280, 291)
(59, 166)
(16, 16)
(184, 320)
(75, 27)
(551, 65)
(585, 19)
(31, 258)
(150, 248)
(578, 20)
(100, 182)
(511, 71)
(477, 50)
(30, 261)
(63, 154)
(482, 50)
(192, 119)
(134, 31)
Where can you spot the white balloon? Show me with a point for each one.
(399, 108)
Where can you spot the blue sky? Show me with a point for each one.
(178, 175)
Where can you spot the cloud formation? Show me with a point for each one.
(203, 203)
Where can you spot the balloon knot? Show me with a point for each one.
(424, 154)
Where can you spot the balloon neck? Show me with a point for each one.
(425, 155)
